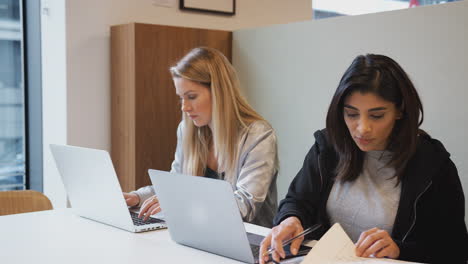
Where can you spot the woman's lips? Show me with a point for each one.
(363, 141)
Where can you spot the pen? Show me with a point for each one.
(287, 242)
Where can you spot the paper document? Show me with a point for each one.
(335, 247)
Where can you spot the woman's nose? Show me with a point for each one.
(364, 126)
(185, 106)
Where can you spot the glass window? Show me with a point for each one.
(332, 8)
(12, 108)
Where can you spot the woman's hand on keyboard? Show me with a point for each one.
(132, 199)
(149, 207)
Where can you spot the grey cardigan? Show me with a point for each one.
(254, 183)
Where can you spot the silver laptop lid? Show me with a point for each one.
(202, 213)
(92, 185)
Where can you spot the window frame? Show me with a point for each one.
(32, 69)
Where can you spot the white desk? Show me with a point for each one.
(58, 236)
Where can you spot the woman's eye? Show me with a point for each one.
(191, 97)
(377, 116)
(349, 115)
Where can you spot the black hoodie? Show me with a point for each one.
(430, 222)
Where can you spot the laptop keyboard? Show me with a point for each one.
(255, 250)
(139, 222)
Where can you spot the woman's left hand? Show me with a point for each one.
(149, 207)
(378, 243)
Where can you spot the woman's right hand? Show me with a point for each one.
(131, 199)
(149, 207)
(288, 228)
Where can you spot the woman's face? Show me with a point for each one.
(195, 101)
(370, 120)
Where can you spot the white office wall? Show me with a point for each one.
(88, 32)
(290, 73)
(76, 51)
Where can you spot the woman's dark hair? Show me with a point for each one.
(382, 76)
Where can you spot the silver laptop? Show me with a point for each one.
(202, 213)
(94, 190)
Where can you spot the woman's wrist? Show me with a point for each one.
(292, 220)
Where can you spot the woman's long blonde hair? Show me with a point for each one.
(230, 111)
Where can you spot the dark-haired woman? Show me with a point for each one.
(392, 187)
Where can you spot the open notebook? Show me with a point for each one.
(335, 247)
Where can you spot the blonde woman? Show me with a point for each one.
(221, 136)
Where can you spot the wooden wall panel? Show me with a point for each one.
(123, 103)
(155, 106)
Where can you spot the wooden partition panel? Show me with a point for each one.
(145, 107)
